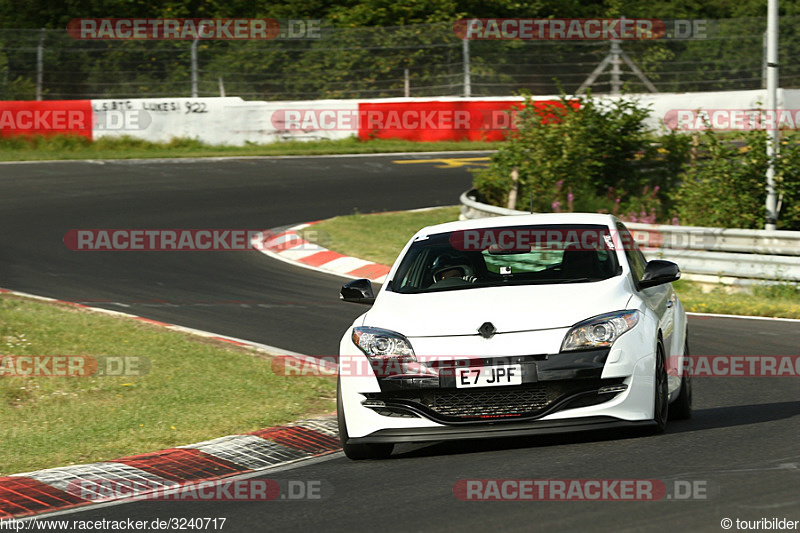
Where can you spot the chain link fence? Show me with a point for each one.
(420, 60)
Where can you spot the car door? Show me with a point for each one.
(660, 299)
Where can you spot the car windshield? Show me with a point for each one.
(521, 255)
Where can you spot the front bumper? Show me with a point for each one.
(413, 411)
(498, 430)
(549, 384)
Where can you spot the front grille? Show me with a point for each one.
(499, 402)
(526, 401)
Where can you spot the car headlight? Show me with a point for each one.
(599, 331)
(389, 353)
(382, 343)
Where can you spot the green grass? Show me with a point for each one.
(196, 389)
(39, 148)
(777, 300)
(376, 237)
(380, 237)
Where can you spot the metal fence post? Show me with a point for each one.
(40, 65)
(467, 80)
(772, 105)
(194, 67)
(616, 71)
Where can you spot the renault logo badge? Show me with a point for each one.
(487, 330)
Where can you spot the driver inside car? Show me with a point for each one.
(449, 268)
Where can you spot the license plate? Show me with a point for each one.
(489, 376)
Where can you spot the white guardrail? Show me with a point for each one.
(716, 255)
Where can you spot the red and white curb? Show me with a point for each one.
(57, 489)
(290, 247)
(45, 491)
(272, 350)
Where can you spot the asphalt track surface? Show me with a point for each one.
(741, 444)
(240, 294)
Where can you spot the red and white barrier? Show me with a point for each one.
(51, 117)
(233, 121)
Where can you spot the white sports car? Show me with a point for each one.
(512, 326)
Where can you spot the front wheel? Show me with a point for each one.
(681, 408)
(357, 451)
(661, 396)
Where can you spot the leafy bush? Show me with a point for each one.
(788, 182)
(726, 185)
(599, 157)
(588, 157)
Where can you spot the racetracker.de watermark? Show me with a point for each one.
(39, 120)
(586, 239)
(157, 240)
(73, 365)
(734, 365)
(457, 365)
(224, 490)
(581, 489)
(359, 366)
(732, 119)
(194, 28)
(574, 29)
(410, 119)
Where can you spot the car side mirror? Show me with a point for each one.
(658, 272)
(358, 291)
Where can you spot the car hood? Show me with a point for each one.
(513, 308)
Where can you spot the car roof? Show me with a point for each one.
(599, 219)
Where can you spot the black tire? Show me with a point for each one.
(357, 451)
(661, 396)
(681, 408)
